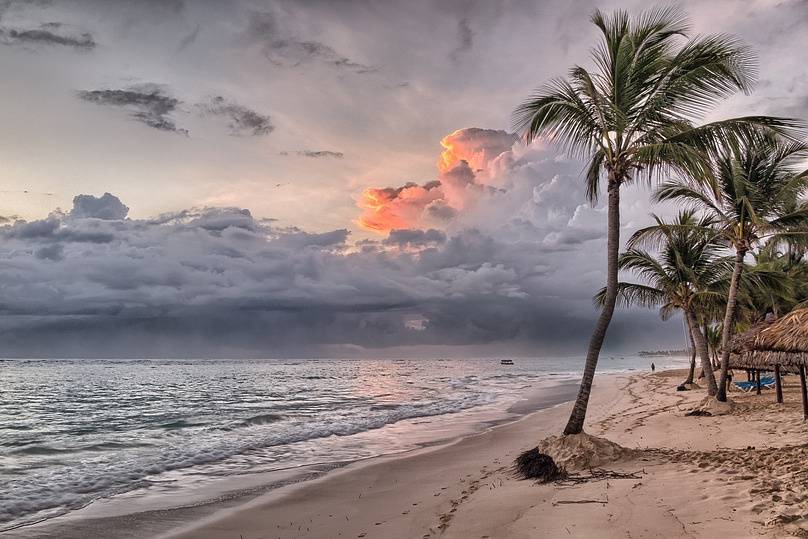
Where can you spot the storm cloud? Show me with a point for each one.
(217, 281)
(483, 240)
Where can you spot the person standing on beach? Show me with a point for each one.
(653, 367)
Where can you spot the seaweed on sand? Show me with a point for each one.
(533, 464)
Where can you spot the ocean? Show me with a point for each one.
(79, 433)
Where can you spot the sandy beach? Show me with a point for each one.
(739, 475)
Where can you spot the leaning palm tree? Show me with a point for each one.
(633, 116)
(686, 272)
(752, 192)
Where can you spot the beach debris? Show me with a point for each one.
(533, 464)
(597, 475)
(583, 451)
(562, 502)
(698, 413)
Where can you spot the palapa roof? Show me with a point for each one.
(745, 342)
(788, 334)
(781, 342)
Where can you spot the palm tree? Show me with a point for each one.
(751, 193)
(792, 270)
(686, 272)
(691, 372)
(713, 334)
(633, 116)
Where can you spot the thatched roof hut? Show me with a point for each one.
(777, 345)
(742, 345)
(782, 342)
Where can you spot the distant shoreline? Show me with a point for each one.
(662, 353)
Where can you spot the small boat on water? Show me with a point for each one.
(506, 362)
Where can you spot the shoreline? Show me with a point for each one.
(263, 514)
(736, 475)
(88, 521)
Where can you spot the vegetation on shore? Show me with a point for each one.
(635, 117)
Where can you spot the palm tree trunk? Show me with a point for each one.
(575, 425)
(729, 322)
(701, 346)
(692, 372)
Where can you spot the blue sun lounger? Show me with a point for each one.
(765, 381)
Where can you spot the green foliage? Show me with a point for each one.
(752, 193)
(686, 272)
(632, 113)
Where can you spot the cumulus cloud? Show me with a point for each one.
(107, 206)
(241, 120)
(415, 238)
(147, 103)
(389, 208)
(501, 248)
(218, 281)
(477, 147)
(477, 168)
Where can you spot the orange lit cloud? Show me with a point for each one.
(477, 147)
(463, 174)
(389, 208)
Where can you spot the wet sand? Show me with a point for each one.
(737, 475)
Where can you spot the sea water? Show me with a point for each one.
(76, 431)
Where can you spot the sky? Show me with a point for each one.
(315, 178)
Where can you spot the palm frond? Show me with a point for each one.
(629, 294)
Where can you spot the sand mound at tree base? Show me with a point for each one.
(709, 404)
(583, 451)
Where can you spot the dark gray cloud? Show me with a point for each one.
(52, 252)
(415, 238)
(53, 229)
(522, 253)
(465, 39)
(154, 106)
(53, 34)
(148, 103)
(217, 281)
(107, 206)
(315, 153)
(283, 48)
(241, 120)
